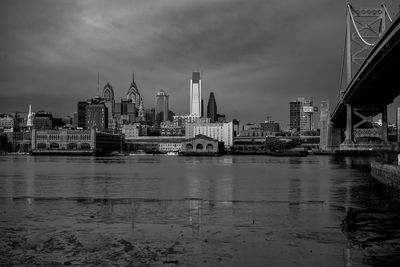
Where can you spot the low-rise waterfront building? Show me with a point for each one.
(222, 132)
(75, 141)
(155, 143)
(249, 145)
(170, 146)
(202, 145)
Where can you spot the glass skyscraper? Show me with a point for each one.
(161, 106)
(195, 94)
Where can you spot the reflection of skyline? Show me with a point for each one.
(209, 180)
(237, 207)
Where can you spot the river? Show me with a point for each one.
(185, 211)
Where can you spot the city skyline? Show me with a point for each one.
(252, 54)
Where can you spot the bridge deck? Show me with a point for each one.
(377, 82)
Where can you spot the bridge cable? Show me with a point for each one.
(355, 26)
(343, 63)
(387, 13)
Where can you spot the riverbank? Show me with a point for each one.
(387, 174)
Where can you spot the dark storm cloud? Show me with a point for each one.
(255, 55)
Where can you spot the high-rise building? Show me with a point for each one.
(212, 108)
(301, 112)
(29, 121)
(109, 102)
(133, 92)
(97, 116)
(195, 94)
(162, 106)
(82, 114)
(134, 96)
(306, 115)
(294, 113)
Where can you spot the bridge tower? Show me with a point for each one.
(363, 28)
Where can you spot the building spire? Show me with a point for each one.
(98, 83)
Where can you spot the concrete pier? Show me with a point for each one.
(386, 174)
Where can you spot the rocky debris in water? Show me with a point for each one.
(72, 248)
(375, 231)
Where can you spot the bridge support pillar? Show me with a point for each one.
(334, 137)
(349, 125)
(384, 124)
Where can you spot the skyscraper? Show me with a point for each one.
(301, 112)
(306, 115)
(133, 92)
(29, 121)
(82, 114)
(134, 96)
(195, 94)
(161, 106)
(212, 108)
(97, 116)
(109, 102)
(294, 113)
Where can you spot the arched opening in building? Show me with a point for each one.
(85, 146)
(199, 147)
(41, 146)
(189, 147)
(54, 146)
(72, 146)
(209, 148)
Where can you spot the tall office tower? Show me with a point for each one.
(29, 121)
(134, 96)
(301, 112)
(294, 113)
(82, 114)
(109, 102)
(212, 108)
(306, 116)
(97, 116)
(161, 106)
(195, 94)
(324, 125)
(133, 92)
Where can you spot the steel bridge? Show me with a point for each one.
(375, 84)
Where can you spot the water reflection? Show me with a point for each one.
(225, 204)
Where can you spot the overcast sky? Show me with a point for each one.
(254, 55)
